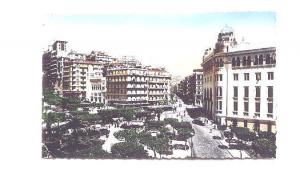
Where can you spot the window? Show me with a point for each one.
(245, 123)
(256, 125)
(268, 59)
(233, 62)
(221, 64)
(270, 75)
(246, 91)
(261, 59)
(269, 127)
(273, 59)
(236, 77)
(246, 76)
(258, 76)
(235, 106)
(255, 60)
(270, 91)
(234, 122)
(238, 62)
(220, 105)
(220, 77)
(257, 107)
(249, 60)
(220, 91)
(270, 107)
(244, 61)
(246, 106)
(235, 92)
(257, 90)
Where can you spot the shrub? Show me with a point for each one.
(243, 133)
(128, 150)
(127, 135)
(265, 147)
(171, 121)
(228, 134)
(267, 135)
(155, 124)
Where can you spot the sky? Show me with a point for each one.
(174, 41)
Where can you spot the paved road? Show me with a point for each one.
(204, 146)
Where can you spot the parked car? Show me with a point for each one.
(198, 122)
(180, 147)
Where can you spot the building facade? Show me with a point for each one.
(137, 86)
(159, 86)
(127, 86)
(199, 88)
(53, 62)
(238, 84)
(84, 80)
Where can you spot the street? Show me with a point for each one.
(204, 146)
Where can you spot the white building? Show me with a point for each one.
(238, 83)
(159, 86)
(199, 87)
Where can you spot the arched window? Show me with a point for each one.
(255, 60)
(244, 61)
(261, 59)
(238, 62)
(233, 62)
(273, 59)
(268, 59)
(249, 61)
(221, 63)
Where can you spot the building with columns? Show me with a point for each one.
(238, 83)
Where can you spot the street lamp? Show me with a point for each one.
(192, 134)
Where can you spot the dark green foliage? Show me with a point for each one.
(185, 133)
(243, 133)
(267, 135)
(265, 147)
(228, 134)
(95, 152)
(171, 121)
(155, 124)
(127, 135)
(128, 150)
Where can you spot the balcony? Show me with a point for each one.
(246, 98)
(246, 113)
(235, 98)
(257, 114)
(257, 98)
(270, 115)
(235, 112)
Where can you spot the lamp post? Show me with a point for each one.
(192, 134)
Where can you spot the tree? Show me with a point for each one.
(265, 147)
(244, 134)
(158, 113)
(75, 124)
(128, 150)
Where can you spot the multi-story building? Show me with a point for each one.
(127, 86)
(159, 86)
(53, 63)
(238, 83)
(84, 80)
(199, 90)
(137, 86)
